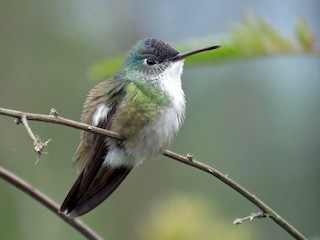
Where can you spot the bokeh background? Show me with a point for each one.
(257, 120)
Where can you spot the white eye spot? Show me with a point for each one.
(150, 62)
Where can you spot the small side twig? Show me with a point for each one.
(189, 156)
(47, 202)
(38, 144)
(252, 216)
(54, 112)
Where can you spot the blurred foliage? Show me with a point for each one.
(305, 36)
(254, 37)
(181, 217)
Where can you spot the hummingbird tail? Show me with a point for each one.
(80, 201)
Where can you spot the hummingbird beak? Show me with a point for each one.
(182, 56)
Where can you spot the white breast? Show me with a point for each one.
(165, 127)
(174, 115)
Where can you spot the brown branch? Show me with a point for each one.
(189, 160)
(47, 202)
(38, 145)
(268, 211)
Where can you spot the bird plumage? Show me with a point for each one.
(146, 109)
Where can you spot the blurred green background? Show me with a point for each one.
(256, 119)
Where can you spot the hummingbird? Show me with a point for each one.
(145, 104)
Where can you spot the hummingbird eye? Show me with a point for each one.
(150, 61)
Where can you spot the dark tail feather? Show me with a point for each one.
(79, 202)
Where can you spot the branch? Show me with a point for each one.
(38, 145)
(47, 202)
(250, 218)
(267, 211)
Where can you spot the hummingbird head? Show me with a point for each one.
(151, 58)
(148, 59)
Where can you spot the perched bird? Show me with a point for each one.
(145, 104)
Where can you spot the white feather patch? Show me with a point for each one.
(100, 114)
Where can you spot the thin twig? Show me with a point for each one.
(38, 144)
(58, 120)
(47, 202)
(26, 125)
(231, 183)
(250, 217)
(184, 159)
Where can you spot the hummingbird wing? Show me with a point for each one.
(96, 181)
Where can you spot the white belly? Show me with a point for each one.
(164, 128)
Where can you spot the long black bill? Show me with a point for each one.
(181, 56)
